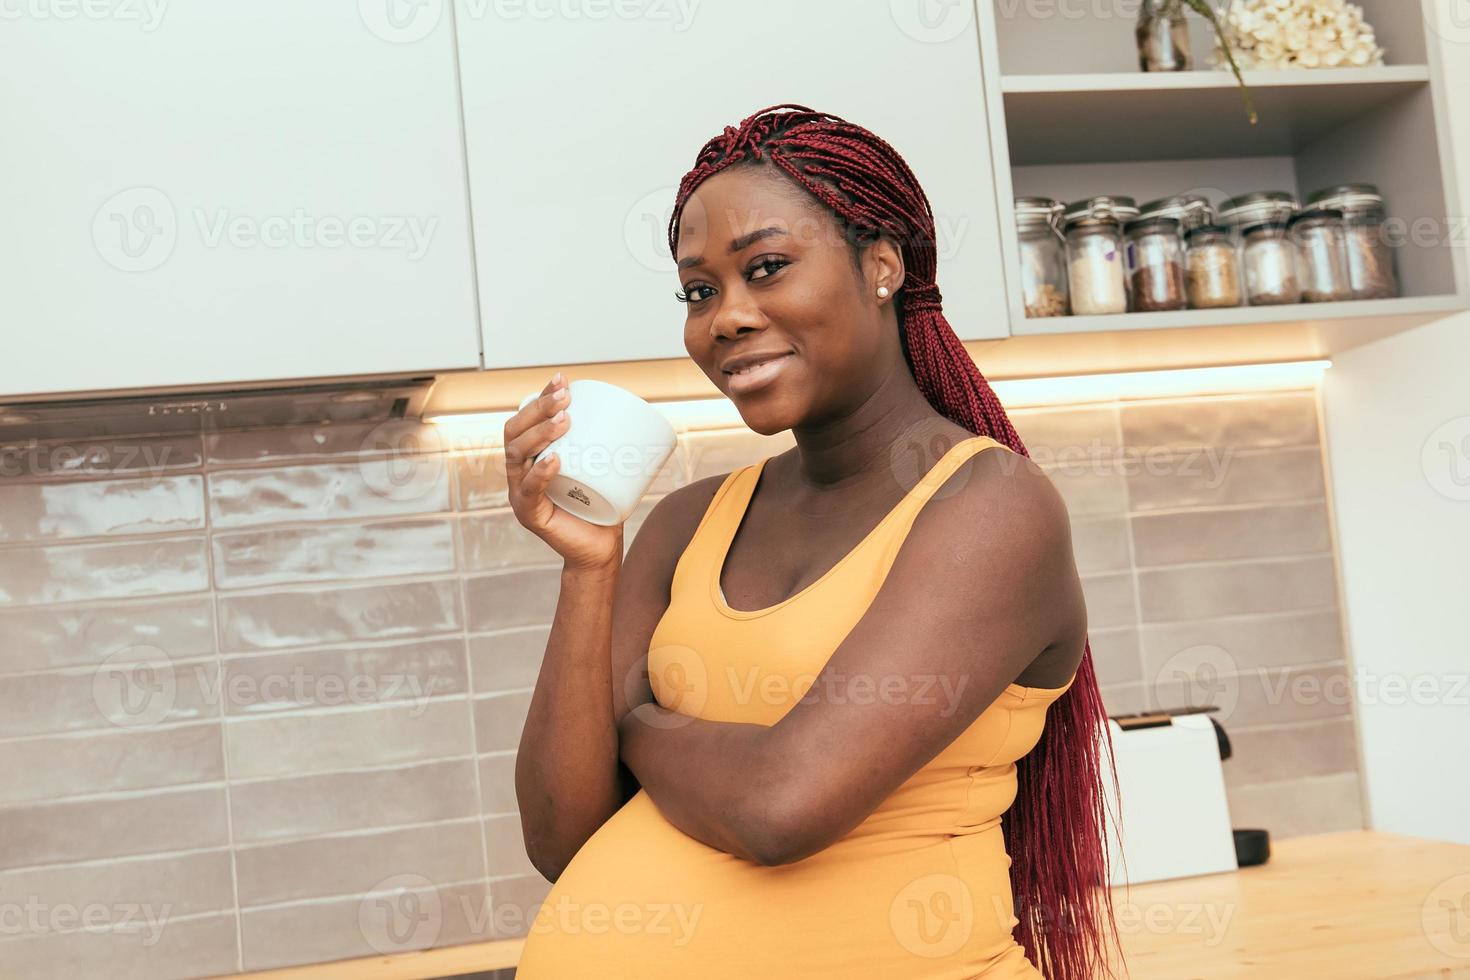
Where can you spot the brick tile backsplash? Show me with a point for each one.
(274, 680)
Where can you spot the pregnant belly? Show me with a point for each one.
(642, 899)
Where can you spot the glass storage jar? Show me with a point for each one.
(1320, 237)
(1370, 256)
(1191, 210)
(1212, 268)
(1163, 36)
(1270, 262)
(1261, 207)
(1155, 255)
(1043, 256)
(1095, 264)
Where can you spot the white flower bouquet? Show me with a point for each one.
(1289, 34)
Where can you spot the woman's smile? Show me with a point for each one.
(759, 375)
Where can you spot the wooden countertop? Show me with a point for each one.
(1359, 904)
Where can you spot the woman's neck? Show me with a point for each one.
(865, 450)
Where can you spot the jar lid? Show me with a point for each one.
(1037, 209)
(1347, 196)
(1104, 208)
(1263, 226)
(1239, 210)
(1165, 226)
(1206, 230)
(1314, 214)
(1178, 206)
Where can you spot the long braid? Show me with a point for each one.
(1055, 829)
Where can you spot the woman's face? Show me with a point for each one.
(767, 273)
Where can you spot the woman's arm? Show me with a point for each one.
(569, 780)
(983, 584)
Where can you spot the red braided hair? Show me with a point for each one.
(1055, 830)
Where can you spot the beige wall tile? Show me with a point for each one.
(303, 616)
(1295, 807)
(509, 660)
(345, 676)
(111, 761)
(1204, 591)
(505, 848)
(494, 540)
(1276, 640)
(499, 720)
(336, 551)
(175, 886)
(1219, 479)
(1100, 545)
(201, 947)
(88, 459)
(498, 783)
(64, 636)
(525, 597)
(1110, 601)
(393, 922)
(70, 509)
(1265, 755)
(356, 738)
(1054, 434)
(1115, 656)
(120, 697)
(56, 833)
(1258, 421)
(355, 864)
(80, 572)
(365, 487)
(1244, 532)
(305, 806)
(516, 901)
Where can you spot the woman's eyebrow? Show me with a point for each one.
(744, 241)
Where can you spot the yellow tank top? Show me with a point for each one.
(920, 889)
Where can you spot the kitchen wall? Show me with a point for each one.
(1398, 420)
(248, 680)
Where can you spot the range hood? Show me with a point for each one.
(213, 410)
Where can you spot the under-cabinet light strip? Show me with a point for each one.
(699, 413)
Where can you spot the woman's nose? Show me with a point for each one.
(737, 313)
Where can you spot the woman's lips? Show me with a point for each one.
(759, 376)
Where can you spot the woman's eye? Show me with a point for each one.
(692, 295)
(767, 264)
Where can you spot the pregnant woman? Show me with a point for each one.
(834, 713)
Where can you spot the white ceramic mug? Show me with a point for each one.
(613, 448)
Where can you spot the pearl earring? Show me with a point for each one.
(882, 292)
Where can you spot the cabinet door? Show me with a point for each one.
(580, 119)
(204, 192)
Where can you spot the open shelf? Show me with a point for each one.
(1419, 309)
(1119, 116)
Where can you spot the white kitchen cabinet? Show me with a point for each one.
(580, 120)
(203, 193)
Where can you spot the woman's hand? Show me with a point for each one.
(581, 544)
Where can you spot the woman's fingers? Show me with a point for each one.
(542, 406)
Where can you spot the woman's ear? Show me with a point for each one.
(883, 265)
